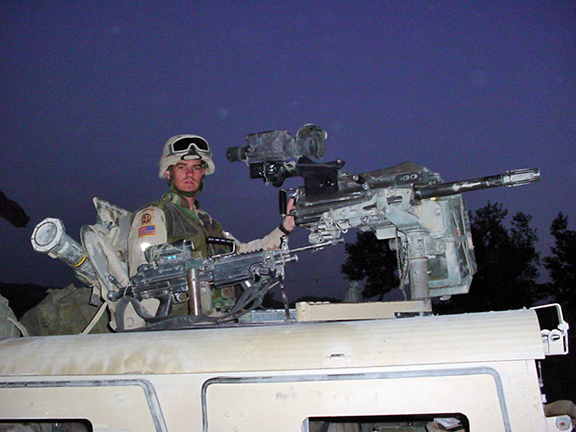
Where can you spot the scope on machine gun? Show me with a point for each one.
(425, 219)
(267, 152)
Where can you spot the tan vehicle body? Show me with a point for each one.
(285, 377)
(349, 367)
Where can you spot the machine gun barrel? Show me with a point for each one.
(511, 178)
(318, 246)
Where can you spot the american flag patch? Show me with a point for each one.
(146, 230)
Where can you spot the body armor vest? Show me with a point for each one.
(194, 226)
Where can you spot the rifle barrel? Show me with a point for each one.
(511, 178)
(318, 245)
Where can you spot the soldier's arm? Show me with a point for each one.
(272, 240)
(148, 228)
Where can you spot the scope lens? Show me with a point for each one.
(311, 141)
(317, 147)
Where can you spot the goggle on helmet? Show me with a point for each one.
(186, 147)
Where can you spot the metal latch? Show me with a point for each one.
(555, 341)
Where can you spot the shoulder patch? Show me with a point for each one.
(146, 218)
(146, 230)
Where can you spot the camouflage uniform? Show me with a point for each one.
(168, 220)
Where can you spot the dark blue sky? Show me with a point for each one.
(92, 89)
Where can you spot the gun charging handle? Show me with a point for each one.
(50, 237)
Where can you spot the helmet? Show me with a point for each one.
(185, 147)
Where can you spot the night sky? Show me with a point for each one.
(91, 90)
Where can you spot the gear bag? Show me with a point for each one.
(64, 311)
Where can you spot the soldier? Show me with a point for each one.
(185, 160)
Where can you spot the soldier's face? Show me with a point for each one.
(187, 175)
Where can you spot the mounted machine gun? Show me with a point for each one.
(425, 219)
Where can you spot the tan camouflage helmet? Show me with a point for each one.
(186, 147)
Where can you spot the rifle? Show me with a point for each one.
(425, 220)
(172, 276)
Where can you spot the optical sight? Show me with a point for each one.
(279, 145)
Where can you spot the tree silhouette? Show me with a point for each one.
(561, 265)
(507, 262)
(372, 261)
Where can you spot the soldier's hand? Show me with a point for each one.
(289, 223)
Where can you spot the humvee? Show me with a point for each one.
(471, 372)
(379, 366)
